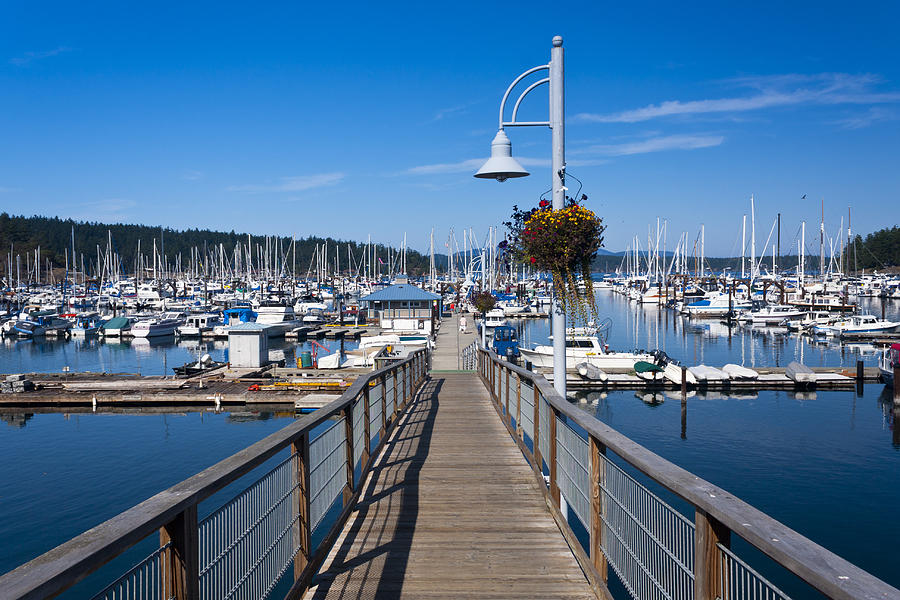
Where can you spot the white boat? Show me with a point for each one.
(772, 315)
(705, 373)
(198, 325)
(889, 360)
(672, 372)
(589, 371)
(716, 304)
(494, 318)
(86, 324)
(158, 326)
(799, 373)
(736, 372)
(584, 346)
(810, 320)
(279, 316)
(856, 324)
(314, 316)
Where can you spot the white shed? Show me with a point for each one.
(248, 345)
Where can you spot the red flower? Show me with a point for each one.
(533, 260)
(543, 204)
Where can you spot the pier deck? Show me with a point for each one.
(451, 509)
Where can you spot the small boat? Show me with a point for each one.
(494, 318)
(583, 345)
(158, 326)
(889, 360)
(810, 320)
(589, 371)
(87, 324)
(799, 373)
(737, 372)
(199, 325)
(705, 373)
(856, 324)
(116, 326)
(505, 342)
(649, 371)
(771, 315)
(206, 363)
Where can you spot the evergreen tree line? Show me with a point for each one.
(21, 235)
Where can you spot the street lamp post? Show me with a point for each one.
(502, 166)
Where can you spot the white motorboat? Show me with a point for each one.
(889, 360)
(280, 316)
(716, 304)
(810, 320)
(494, 318)
(856, 324)
(772, 315)
(582, 345)
(199, 325)
(736, 372)
(314, 316)
(158, 326)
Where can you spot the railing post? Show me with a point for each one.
(518, 406)
(405, 376)
(300, 529)
(367, 433)
(598, 508)
(554, 485)
(536, 440)
(508, 416)
(351, 461)
(181, 576)
(708, 576)
(383, 407)
(396, 406)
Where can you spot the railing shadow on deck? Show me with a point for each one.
(246, 547)
(657, 552)
(387, 562)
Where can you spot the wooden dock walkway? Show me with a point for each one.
(451, 509)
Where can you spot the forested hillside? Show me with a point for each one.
(22, 235)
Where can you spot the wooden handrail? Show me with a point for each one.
(819, 567)
(67, 564)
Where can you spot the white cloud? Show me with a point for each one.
(773, 91)
(656, 144)
(291, 184)
(875, 114)
(473, 164)
(192, 175)
(105, 210)
(28, 57)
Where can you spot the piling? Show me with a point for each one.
(683, 384)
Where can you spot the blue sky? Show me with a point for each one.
(370, 118)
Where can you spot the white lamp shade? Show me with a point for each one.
(501, 165)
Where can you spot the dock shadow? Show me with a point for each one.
(371, 560)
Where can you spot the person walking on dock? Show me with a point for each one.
(462, 324)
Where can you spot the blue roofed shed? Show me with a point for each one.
(404, 307)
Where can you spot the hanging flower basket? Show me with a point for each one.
(565, 242)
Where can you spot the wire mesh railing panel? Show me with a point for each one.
(143, 581)
(544, 428)
(739, 581)
(470, 357)
(527, 410)
(573, 470)
(374, 410)
(359, 429)
(247, 545)
(497, 372)
(327, 471)
(649, 544)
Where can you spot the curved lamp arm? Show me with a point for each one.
(522, 96)
(510, 89)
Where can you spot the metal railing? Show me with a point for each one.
(657, 552)
(470, 357)
(245, 548)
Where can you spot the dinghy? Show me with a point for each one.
(589, 371)
(648, 371)
(738, 372)
(800, 373)
(705, 373)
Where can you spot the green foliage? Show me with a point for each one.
(21, 235)
(877, 250)
(484, 302)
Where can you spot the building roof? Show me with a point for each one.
(248, 327)
(400, 292)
